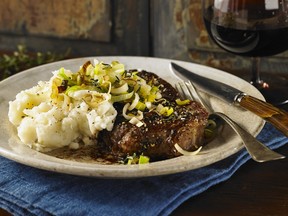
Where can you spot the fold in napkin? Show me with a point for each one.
(28, 191)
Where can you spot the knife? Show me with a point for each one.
(277, 117)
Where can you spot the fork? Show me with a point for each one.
(257, 150)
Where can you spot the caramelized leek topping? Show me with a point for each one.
(123, 86)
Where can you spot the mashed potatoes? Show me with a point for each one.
(48, 116)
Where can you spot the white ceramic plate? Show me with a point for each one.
(222, 147)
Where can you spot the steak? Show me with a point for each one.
(158, 135)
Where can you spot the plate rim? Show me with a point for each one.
(116, 171)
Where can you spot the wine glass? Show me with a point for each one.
(253, 28)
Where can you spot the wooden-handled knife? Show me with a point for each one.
(270, 113)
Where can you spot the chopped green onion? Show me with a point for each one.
(187, 153)
(122, 97)
(166, 111)
(136, 122)
(140, 106)
(62, 74)
(151, 98)
(211, 124)
(208, 134)
(143, 159)
(120, 90)
(134, 102)
(210, 130)
(73, 89)
(169, 111)
(182, 102)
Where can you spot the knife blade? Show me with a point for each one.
(277, 117)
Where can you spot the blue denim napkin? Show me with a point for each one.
(29, 191)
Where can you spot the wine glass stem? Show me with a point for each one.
(256, 78)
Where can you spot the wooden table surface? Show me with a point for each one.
(256, 189)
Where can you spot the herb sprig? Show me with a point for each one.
(21, 60)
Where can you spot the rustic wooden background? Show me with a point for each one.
(161, 28)
(87, 27)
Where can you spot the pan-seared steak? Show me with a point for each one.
(158, 135)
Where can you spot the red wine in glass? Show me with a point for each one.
(253, 28)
